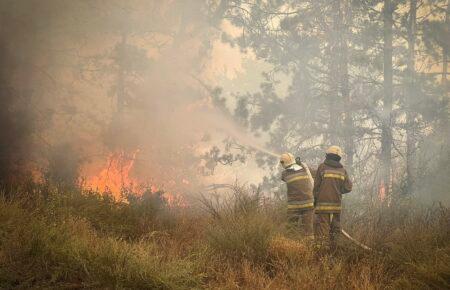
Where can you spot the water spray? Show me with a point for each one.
(263, 150)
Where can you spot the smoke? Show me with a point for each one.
(124, 78)
(108, 77)
(114, 79)
(17, 114)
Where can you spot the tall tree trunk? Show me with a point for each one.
(345, 18)
(445, 83)
(334, 91)
(410, 83)
(445, 48)
(386, 134)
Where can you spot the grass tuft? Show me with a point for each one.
(72, 239)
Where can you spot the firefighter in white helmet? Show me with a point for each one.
(299, 193)
(331, 182)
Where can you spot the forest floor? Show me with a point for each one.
(72, 239)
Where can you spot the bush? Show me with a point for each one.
(131, 219)
(245, 237)
(74, 239)
(37, 252)
(241, 228)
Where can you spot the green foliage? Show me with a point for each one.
(130, 219)
(330, 56)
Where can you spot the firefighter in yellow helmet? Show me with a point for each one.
(299, 193)
(331, 182)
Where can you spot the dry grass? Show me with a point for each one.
(51, 239)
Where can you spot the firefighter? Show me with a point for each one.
(299, 193)
(330, 183)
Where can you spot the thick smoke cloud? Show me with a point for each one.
(136, 79)
(88, 79)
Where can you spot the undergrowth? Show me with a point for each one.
(74, 239)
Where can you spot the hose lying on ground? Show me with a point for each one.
(311, 180)
(355, 241)
(218, 186)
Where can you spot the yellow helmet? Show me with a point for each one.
(287, 159)
(335, 150)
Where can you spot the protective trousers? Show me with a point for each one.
(327, 227)
(303, 220)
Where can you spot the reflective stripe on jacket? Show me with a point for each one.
(331, 182)
(299, 189)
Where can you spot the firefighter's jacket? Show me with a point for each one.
(330, 183)
(299, 189)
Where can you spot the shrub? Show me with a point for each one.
(241, 228)
(37, 252)
(132, 219)
(71, 239)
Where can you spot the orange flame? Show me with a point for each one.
(116, 178)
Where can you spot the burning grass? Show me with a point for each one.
(51, 239)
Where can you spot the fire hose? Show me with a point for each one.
(228, 186)
(355, 241)
(311, 179)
